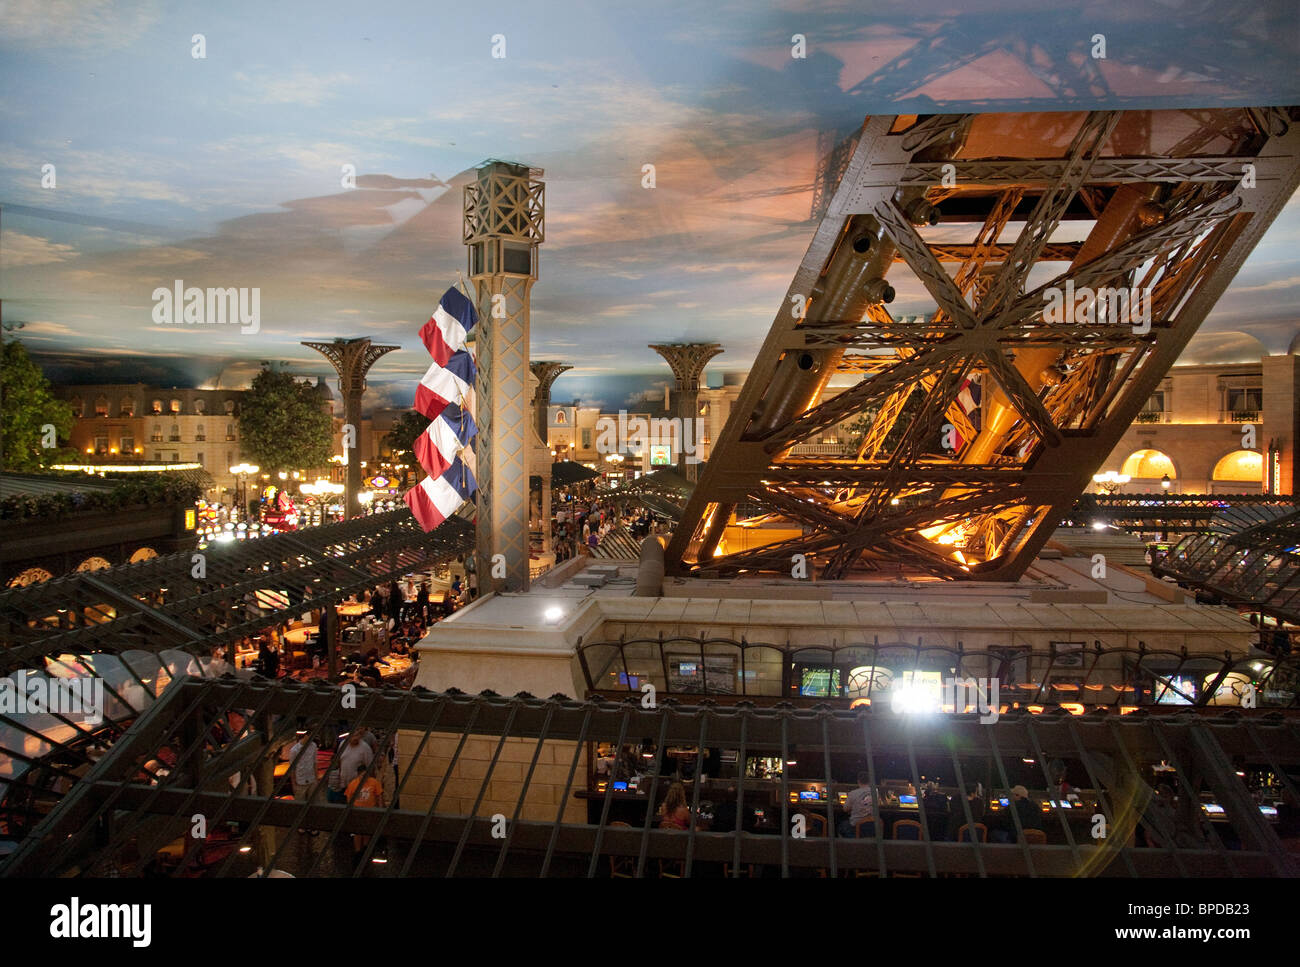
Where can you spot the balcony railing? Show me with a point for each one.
(1154, 416)
(1239, 416)
(818, 450)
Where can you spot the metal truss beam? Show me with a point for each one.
(1019, 406)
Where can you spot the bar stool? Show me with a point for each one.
(909, 829)
(981, 833)
(622, 867)
(1035, 837)
(864, 829)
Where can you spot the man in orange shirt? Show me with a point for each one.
(365, 793)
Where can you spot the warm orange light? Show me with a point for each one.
(1126, 709)
(1074, 708)
(1036, 709)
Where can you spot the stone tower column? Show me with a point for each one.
(352, 359)
(547, 372)
(688, 361)
(504, 225)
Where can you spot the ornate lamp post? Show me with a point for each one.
(241, 472)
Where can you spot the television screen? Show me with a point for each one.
(907, 800)
(808, 794)
(688, 667)
(620, 787)
(1214, 809)
(1004, 802)
(819, 682)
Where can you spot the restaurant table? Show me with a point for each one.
(352, 610)
(298, 636)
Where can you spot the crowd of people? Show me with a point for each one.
(403, 614)
(360, 768)
(578, 527)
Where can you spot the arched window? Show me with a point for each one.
(199, 407)
(1240, 466)
(78, 407)
(1149, 465)
(559, 416)
(200, 434)
(230, 431)
(128, 407)
(176, 433)
(156, 437)
(176, 406)
(230, 407)
(101, 406)
(156, 406)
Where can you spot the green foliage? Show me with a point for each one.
(26, 406)
(401, 439)
(284, 425)
(131, 490)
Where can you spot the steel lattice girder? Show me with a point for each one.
(1172, 203)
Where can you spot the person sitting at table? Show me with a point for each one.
(370, 666)
(860, 806)
(400, 647)
(674, 813)
(1031, 817)
(935, 805)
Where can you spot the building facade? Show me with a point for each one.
(1222, 428)
(136, 422)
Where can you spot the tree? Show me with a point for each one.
(27, 410)
(860, 427)
(401, 440)
(284, 425)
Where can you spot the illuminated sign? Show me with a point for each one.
(661, 456)
(189, 518)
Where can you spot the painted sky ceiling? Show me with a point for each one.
(226, 170)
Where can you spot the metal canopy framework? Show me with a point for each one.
(1256, 562)
(195, 602)
(121, 814)
(1170, 203)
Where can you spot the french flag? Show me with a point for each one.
(438, 446)
(450, 325)
(437, 498)
(968, 398)
(446, 397)
(446, 384)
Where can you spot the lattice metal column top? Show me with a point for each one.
(547, 372)
(352, 359)
(687, 361)
(504, 224)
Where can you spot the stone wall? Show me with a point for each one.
(547, 791)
